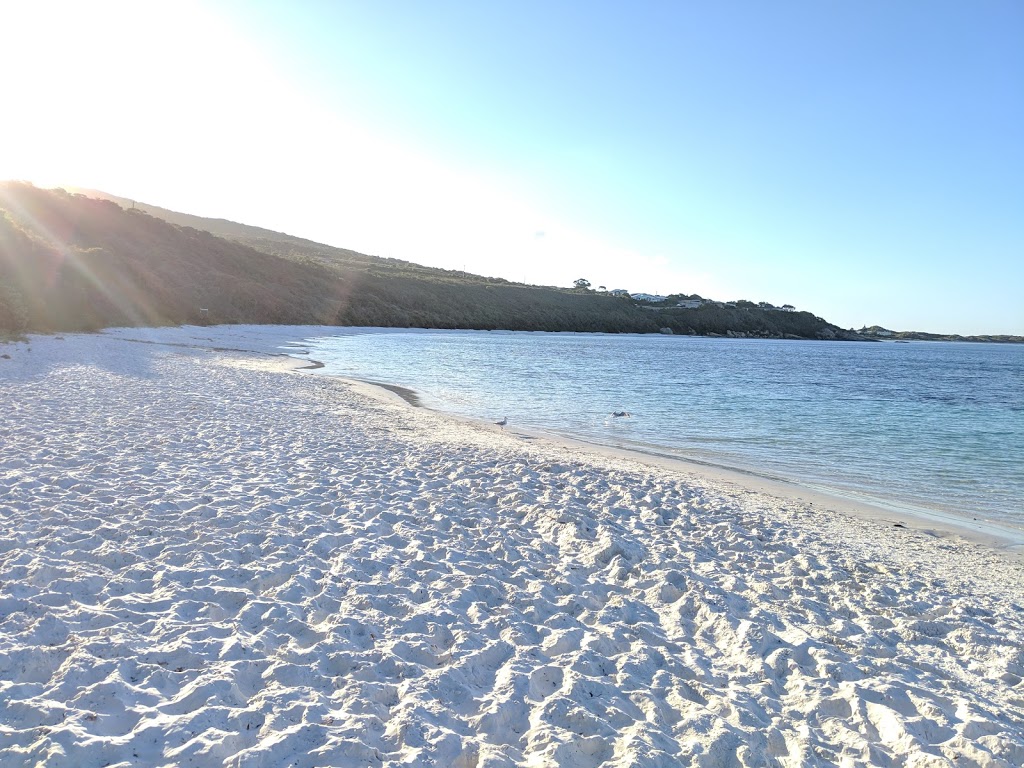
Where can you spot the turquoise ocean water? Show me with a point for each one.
(918, 426)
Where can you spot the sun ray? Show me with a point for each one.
(68, 258)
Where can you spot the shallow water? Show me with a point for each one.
(927, 426)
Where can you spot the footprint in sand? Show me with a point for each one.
(544, 682)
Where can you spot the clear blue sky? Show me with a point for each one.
(861, 160)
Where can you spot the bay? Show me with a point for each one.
(918, 426)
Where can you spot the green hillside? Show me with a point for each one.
(74, 262)
(229, 230)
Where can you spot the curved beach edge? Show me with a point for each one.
(1003, 537)
(212, 556)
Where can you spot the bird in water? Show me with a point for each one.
(502, 423)
(621, 413)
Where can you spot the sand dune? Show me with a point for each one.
(208, 559)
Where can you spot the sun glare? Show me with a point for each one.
(171, 104)
(110, 94)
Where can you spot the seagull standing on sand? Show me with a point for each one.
(502, 423)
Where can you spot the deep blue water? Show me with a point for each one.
(934, 426)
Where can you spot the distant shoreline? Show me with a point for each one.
(920, 336)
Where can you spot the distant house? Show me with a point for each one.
(690, 303)
(652, 297)
(618, 292)
(766, 305)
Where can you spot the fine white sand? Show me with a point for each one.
(207, 558)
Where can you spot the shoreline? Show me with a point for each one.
(1001, 537)
(287, 342)
(212, 559)
(976, 494)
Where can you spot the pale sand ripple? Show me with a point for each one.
(207, 561)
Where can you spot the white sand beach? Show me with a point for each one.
(208, 557)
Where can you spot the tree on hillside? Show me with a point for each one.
(582, 284)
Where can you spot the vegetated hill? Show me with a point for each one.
(291, 247)
(68, 262)
(279, 243)
(752, 322)
(71, 262)
(230, 230)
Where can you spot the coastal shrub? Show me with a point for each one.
(13, 312)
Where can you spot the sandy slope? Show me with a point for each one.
(206, 560)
